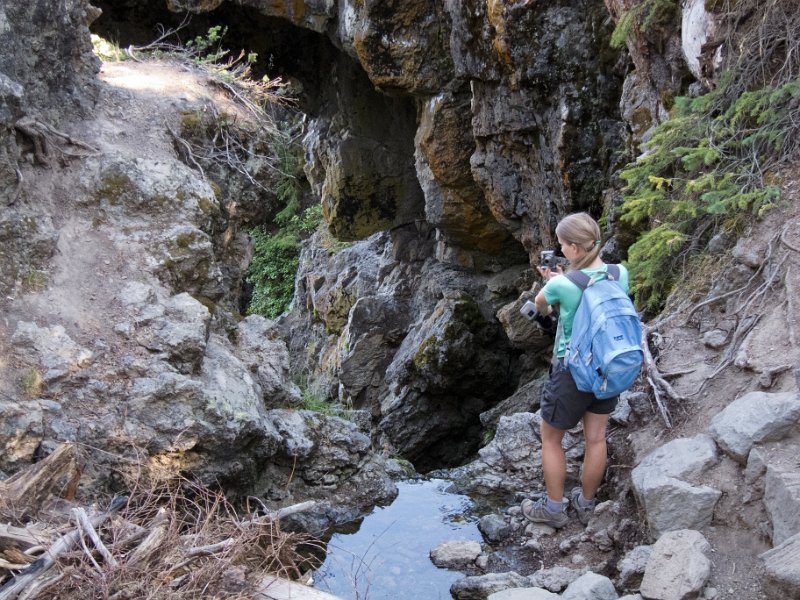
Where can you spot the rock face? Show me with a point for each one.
(118, 332)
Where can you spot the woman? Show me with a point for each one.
(563, 405)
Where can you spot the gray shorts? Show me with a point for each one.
(563, 404)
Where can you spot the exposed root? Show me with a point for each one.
(751, 299)
(46, 140)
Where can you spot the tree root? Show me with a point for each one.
(46, 139)
(746, 319)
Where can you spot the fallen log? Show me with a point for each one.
(26, 491)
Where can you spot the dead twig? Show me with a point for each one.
(86, 526)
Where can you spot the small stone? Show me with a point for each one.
(716, 338)
(533, 545)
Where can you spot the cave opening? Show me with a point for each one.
(284, 50)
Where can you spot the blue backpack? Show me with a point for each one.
(604, 355)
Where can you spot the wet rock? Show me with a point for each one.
(494, 528)
(753, 418)
(447, 369)
(456, 554)
(527, 593)
(678, 568)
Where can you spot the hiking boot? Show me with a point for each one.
(584, 514)
(538, 513)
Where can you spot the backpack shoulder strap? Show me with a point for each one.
(579, 278)
(582, 280)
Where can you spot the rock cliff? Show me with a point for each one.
(443, 141)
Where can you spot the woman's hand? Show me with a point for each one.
(547, 273)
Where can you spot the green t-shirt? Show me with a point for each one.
(562, 292)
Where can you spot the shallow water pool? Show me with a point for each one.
(386, 558)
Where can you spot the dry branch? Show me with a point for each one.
(86, 527)
(36, 570)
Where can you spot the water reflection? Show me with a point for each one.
(386, 558)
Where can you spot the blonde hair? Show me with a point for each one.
(583, 230)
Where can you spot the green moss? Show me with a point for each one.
(34, 281)
(184, 240)
(426, 353)
(31, 383)
(113, 188)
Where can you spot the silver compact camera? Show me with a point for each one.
(547, 323)
(528, 310)
(548, 258)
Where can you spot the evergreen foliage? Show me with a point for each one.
(711, 164)
(277, 247)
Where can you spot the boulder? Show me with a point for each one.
(478, 587)
(181, 333)
(783, 565)
(53, 349)
(632, 567)
(260, 348)
(664, 484)
(678, 568)
(554, 579)
(782, 499)
(753, 418)
(590, 586)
